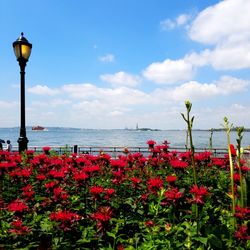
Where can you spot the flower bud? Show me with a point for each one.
(188, 105)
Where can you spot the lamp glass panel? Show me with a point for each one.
(17, 51)
(25, 51)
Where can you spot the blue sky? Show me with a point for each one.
(116, 63)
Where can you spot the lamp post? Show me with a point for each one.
(22, 49)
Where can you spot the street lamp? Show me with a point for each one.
(22, 49)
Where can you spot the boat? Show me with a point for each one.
(38, 128)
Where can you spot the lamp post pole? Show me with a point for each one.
(22, 49)
(22, 140)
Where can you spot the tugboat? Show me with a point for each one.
(38, 128)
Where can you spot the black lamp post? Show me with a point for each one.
(22, 49)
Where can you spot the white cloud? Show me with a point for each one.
(115, 113)
(226, 27)
(169, 24)
(107, 58)
(42, 90)
(6, 105)
(169, 71)
(121, 78)
(182, 19)
(231, 57)
(194, 90)
(226, 22)
(83, 90)
(112, 96)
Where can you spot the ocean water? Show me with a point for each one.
(118, 137)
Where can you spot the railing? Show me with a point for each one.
(116, 150)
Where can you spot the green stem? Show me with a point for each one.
(228, 129)
(192, 148)
(240, 130)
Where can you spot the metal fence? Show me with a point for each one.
(116, 150)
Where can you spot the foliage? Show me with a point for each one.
(132, 202)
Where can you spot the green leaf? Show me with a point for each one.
(203, 240)
(111, 235)
(215, 241)
(46, 225)
(184, 117)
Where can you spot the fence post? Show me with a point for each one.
(75, 149)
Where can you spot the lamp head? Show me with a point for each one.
(22, 48)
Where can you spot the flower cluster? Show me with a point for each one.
(95, 201)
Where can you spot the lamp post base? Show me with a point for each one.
(23, 143)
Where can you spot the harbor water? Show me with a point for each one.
(119, 137)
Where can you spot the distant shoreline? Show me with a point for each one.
(132, 129)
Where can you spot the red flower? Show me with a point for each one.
(96, 191)
(204, 156)
(185, 155)
(50, 184)
(80, 176)
(118, 163)
(7, 165)
(57, 173)
(19, 228)
(136, 181)
(198, 194)
(245, 168)
(28, 191)
(242, 213)
(58, 191)
(232, 149)
(173, 194)
(26, 172)
(151, 143)
(46, 149)
(218, 162)
(178, 164)
(242, 233)
(236, 177)
(118, 177)
(108, 193)
(17, 206)
(154, 184)
(171, 179)
(120, 247)
(149, 223)
(40, 177)
(64, 216)
(29, 152)
(103, 215)
(91, 168)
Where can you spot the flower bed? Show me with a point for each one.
(133, 202)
